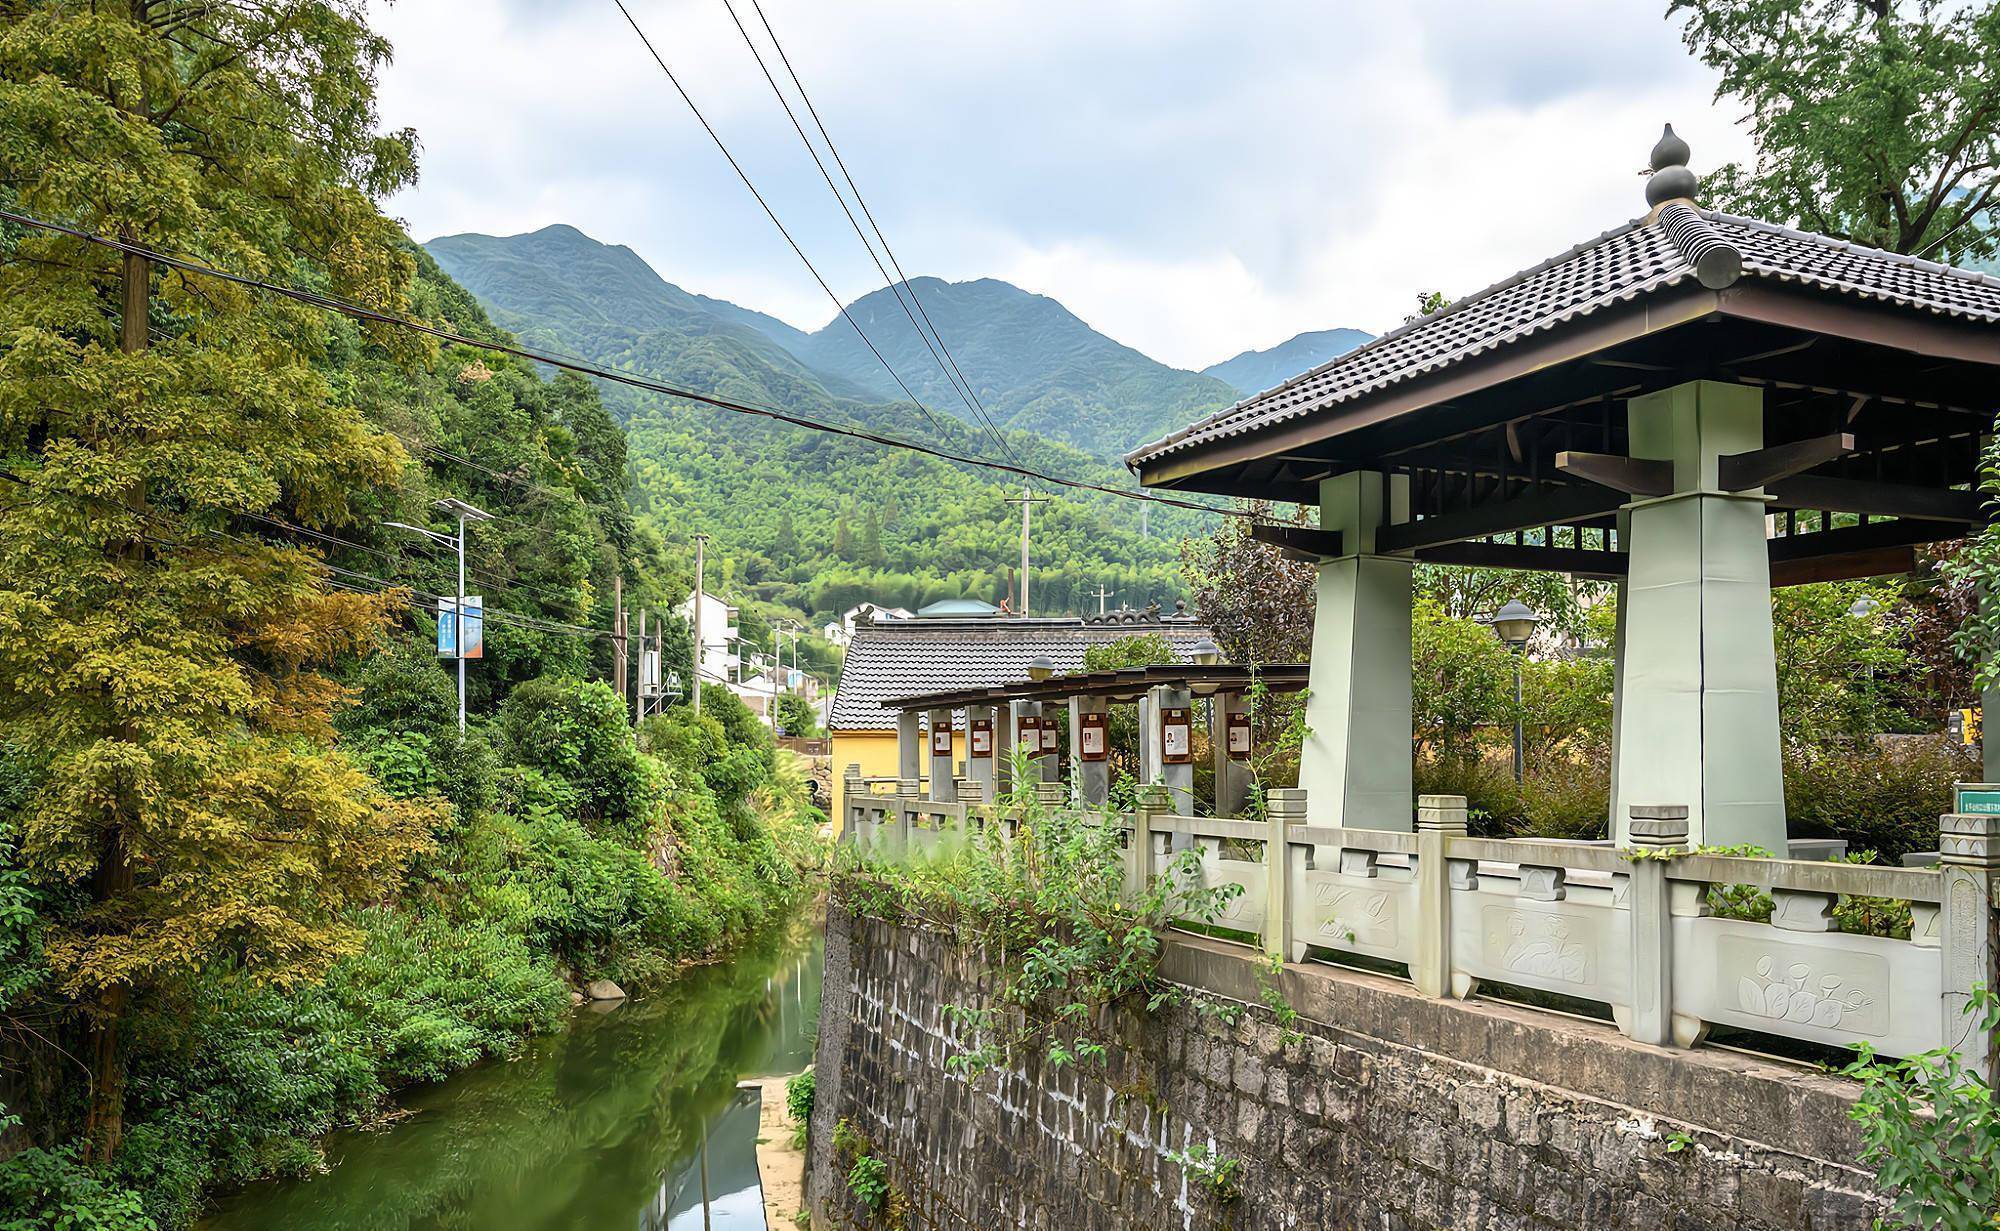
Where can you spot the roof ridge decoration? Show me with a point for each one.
(1670, 190)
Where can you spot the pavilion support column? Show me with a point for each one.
(1004, 721)
(1989, 714)
(1178, 775)
(909, 746)
(979, 767)
(1619, 808)
(1356, 764)
(1090, 780)
(943, 789)
(1232, 774)
(1697, 700)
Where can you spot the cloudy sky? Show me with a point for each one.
(1193, 179)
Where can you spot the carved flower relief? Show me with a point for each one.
(1357, 916)
(1799, 995)
(1542, 945)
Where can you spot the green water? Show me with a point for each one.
(621, 1121)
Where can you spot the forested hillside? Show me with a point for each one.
(1254, 371)
(807, 521)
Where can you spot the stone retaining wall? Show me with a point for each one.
(1413, 1112)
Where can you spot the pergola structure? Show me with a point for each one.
(999, 719)
(1696, 405)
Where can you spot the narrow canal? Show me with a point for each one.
(622, 1121)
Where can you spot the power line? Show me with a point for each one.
(845, 174)
(615, 376)
(773, 216)
(964, 392)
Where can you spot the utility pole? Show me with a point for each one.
(1027, 500)
(464, 513)
(618, 631)
(639, 687)
(1102, 594)
(700, 643)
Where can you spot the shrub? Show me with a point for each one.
(575, 731)
(1878, 797)
(799, 1092)
(50, 1190)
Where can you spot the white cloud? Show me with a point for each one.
(1192, 179)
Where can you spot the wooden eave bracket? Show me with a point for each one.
(1736, 472)
(1638, 476)
(1299, 542)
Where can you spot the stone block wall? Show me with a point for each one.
(1394, 1111)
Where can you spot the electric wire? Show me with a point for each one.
(869, 214)
(773, 216)
(615, 376)
(895, 288)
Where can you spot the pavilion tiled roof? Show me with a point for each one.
(1636, 259)
(902, 658)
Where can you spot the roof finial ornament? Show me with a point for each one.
(1671, 180)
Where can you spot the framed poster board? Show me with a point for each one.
(1239, 735)
(1091, 738)
(1049, 733)
(1176, 736)
(941, 740)
(1027, 734)
(981, 741)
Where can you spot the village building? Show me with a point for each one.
(954, 647)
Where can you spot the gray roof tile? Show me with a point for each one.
(1635, 259)
(904, 658)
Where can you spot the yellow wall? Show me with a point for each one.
(875, 753)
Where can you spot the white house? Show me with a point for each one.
(716, 638)
(841, 631)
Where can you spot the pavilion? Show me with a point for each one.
(1697, 405)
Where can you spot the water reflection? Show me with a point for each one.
(602, 1126)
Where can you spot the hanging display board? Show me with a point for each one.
(981, 742)
(1027, 734)
(941, 740)
(1091, 738)
(1239, 735)
(1049, 733)
(474, 631)
(1176, 736)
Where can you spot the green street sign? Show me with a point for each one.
(1976, 798)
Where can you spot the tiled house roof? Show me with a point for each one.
(1682, 245)
(906, 657)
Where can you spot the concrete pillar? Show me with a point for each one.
(1652, 828)
(1618, 804)
(1969, 931)
(1232, 772)
(1090, 775)
(910, 750)
(1697, 684)
(1003, 750)
(981, 740)
(942, 788)
(1285, 808)
(1356, 764)
(1178, 775)
(1149, 741)
(1439, 818)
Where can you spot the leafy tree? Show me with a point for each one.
(168, 670)
(796, 715)
(576, 731)
(1462, 680)
(1258, 603)
(1875, 121)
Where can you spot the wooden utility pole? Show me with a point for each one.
(639, 688)
(700, 584)
(618, 632)
(1027, 500)
(1102, 594)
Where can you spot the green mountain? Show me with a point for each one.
(1254, 371)
(806, 521)
(1032, 364)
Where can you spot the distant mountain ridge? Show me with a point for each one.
(1254, 371)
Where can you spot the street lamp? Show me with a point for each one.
(1206, 652)
(1514, 624)
(1040, 669)
(464, 513)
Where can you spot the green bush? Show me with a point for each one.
(799, 1092)
(575, 731)
(1885, 798)
(50, 1190)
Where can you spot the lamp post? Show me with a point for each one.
(1206, 652)
(464, 513)
(1514, 624)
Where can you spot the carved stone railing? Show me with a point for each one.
(1629, 929)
